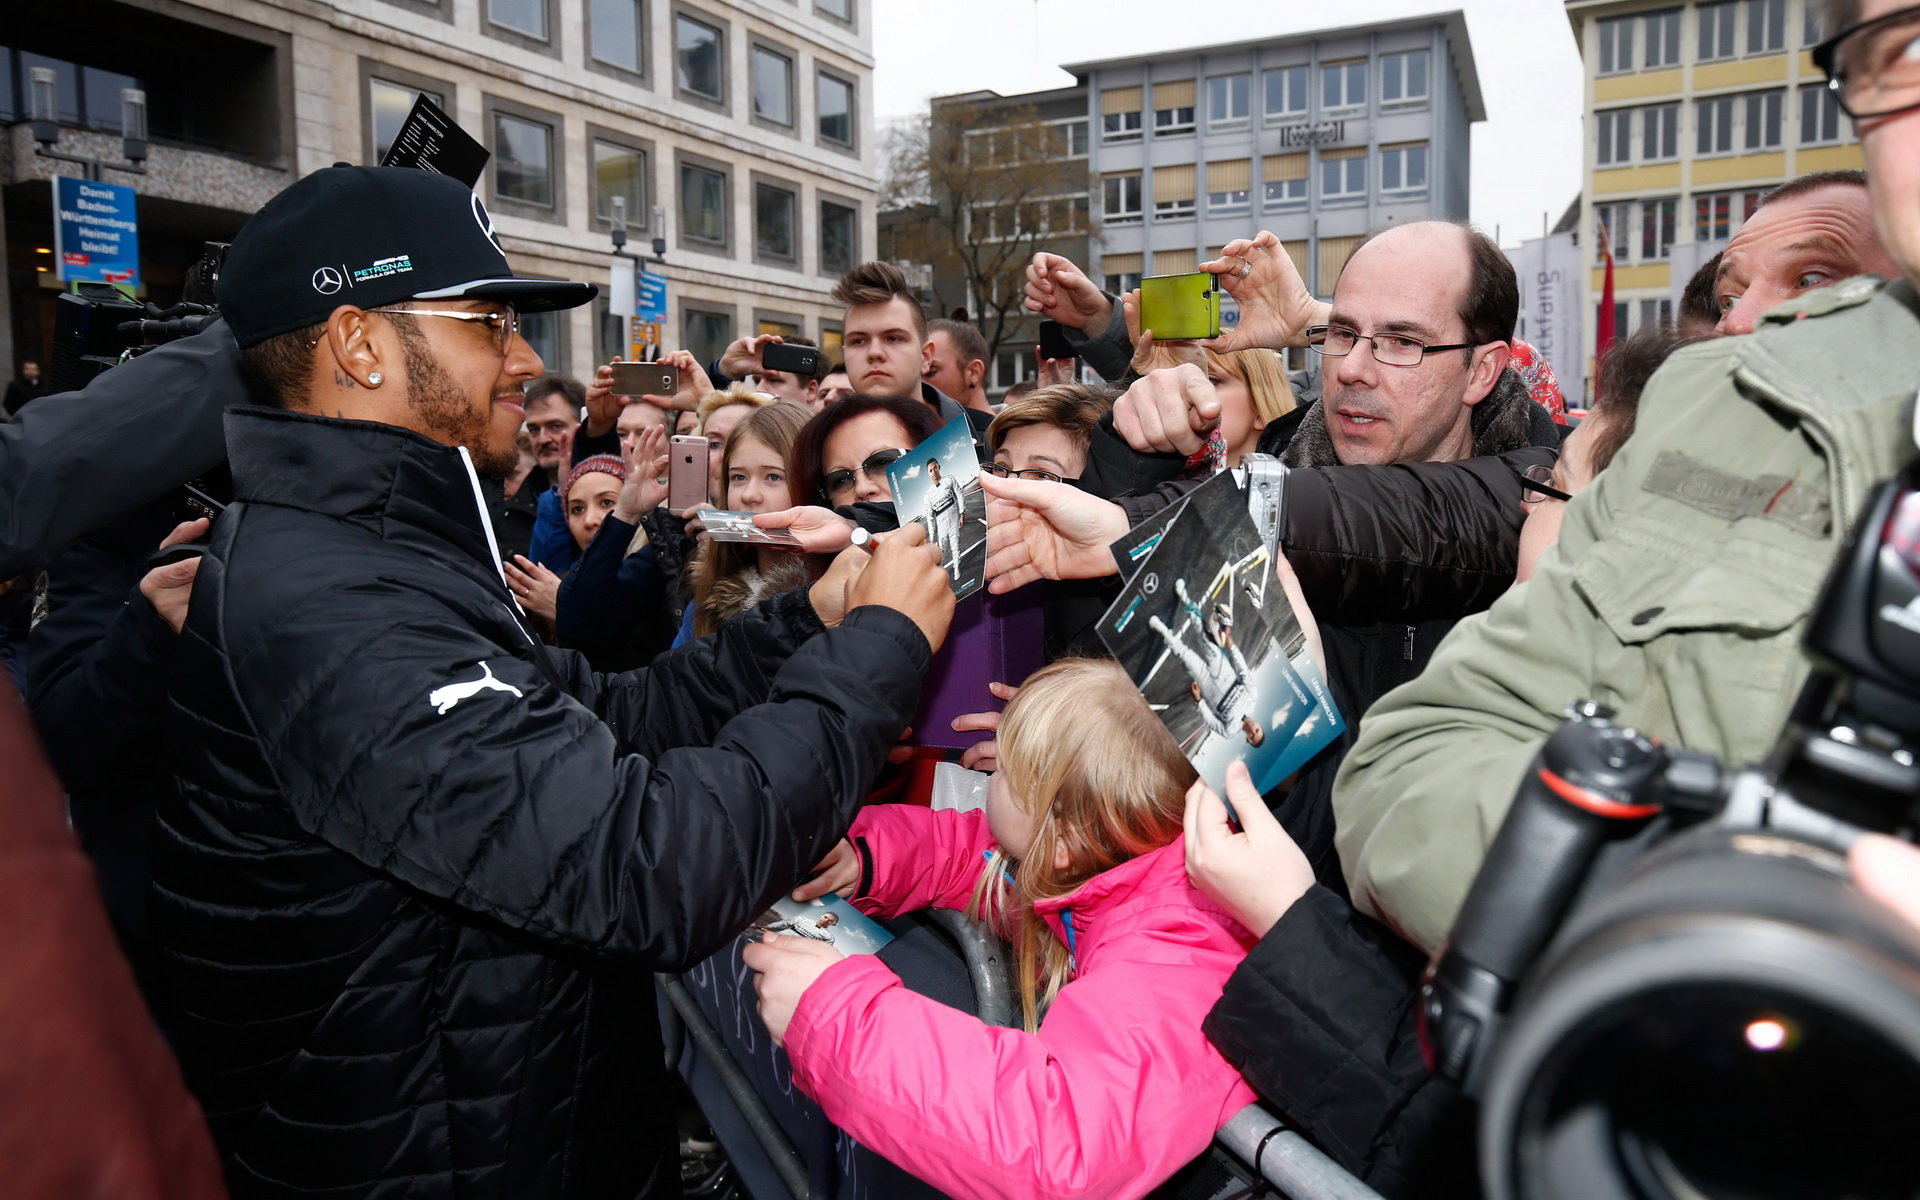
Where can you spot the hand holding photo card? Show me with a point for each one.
(938, 484)
(1205, 632)
(724, 525)
(828, 919)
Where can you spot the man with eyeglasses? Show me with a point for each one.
(1683, 576)
(418, 867)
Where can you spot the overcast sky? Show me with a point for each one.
(1526, 154)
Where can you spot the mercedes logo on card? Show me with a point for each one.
(1150, 584)
(327, 281)
(485, 222)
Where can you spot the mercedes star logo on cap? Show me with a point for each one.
(327, 281)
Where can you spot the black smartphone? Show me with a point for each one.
(795, 360)
(645, 379)
(1053, 341)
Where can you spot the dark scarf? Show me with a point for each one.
(1508, 419)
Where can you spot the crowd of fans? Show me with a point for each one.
(401, 777)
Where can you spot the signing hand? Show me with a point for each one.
(820, 530)
(787, 966)
(1276, 309)
(831, 595)
(984, 755)
(1255, 874)
(1169, 411)
(906, 575)
(1057, 290)
(169, 588)
(646, 483)
(1041, 530)
(838, 872)
(536, 586)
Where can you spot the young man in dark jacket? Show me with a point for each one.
(420, 866)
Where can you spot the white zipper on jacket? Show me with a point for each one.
(493, 546)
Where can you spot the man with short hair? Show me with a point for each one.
(834, 385)
(1808, 233)
(418, 867)
(553, 404)
(1684, 575)
(957, 364)
(29, 386)
(884, 339)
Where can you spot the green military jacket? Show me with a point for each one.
(1676, 594)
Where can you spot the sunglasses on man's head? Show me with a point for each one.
(872, 467)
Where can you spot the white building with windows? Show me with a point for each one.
(1322, 137)
(739, 131)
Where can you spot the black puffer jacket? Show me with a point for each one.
(421, 866)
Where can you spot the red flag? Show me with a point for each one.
(1603, 327)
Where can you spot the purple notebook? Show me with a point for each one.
(995, 639)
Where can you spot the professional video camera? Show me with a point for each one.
(1727, 1015)
(96, 327)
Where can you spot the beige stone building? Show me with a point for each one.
(737, 133)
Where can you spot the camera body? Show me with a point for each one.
(97, 327)
(1725, 1015)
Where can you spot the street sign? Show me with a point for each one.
(96, 232)
(653, 297)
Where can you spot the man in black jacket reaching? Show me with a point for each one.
(420, 866)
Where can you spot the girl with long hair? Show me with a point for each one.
(1110, 1086)
(731, 577)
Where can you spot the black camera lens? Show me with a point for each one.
(1724, 1093)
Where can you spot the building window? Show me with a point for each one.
(1286, 181)
(1071, 139)
(1343, 86)
(834, 98)
(839, 10)
(703, 205)
(1660, 39)
(1819, 116)
(839, 237)
(1173, 190)
(388, 105)
(1615, 127)
(699, 59)
(1403, 168)
(1286, 90)
(617, 34)
(776, 210)
(1716, 30)
(1656, 229)
(1717, 215)
(1229, 187)
(1766, 26)
(1713, 125)
(1120, 199)
(1011, 364)
(1813, 30)
(521, 16)
(1173, 108)
(1654, 311)
(543, 332)
(707, 334)
(1120, 110)
(1227, 99)
(620, 171)
(1764, 118)
(1660, 133)
(1121, 272)
(1343, 175)
(522, 160)
(772, 86)
(1612, 226)
(1403, 79)
(1616, 44)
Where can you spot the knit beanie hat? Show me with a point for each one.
(605, 464)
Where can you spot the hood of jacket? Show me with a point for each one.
(1139, 891)
(733, 594)
(1508, 419)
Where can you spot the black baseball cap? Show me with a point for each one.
(369, 236)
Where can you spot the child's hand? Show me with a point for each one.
(985, 755)
(1255, 874)
(787, 967)
(838, 872)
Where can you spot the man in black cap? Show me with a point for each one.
(420, 866)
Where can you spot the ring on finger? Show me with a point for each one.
(1246, 268)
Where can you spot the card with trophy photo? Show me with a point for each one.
(827, 919)
(937, 483)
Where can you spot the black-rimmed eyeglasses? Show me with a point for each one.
(1391, 349)
(1536, 484)
(1874, 67)
(1034, 473)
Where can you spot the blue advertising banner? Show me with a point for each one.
(653, 297)
(96, 232)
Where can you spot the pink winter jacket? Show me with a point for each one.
(1117, 1090)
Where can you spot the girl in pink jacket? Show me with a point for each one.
(1078, 857)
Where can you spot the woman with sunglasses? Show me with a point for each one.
(842, 456)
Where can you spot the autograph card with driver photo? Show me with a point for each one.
(827, 919)
(1205, 632)
(724, 525)
(937, 483)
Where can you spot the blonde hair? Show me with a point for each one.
(774, 425)
(1099, 774)
(733, 393)
(1266, 379)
